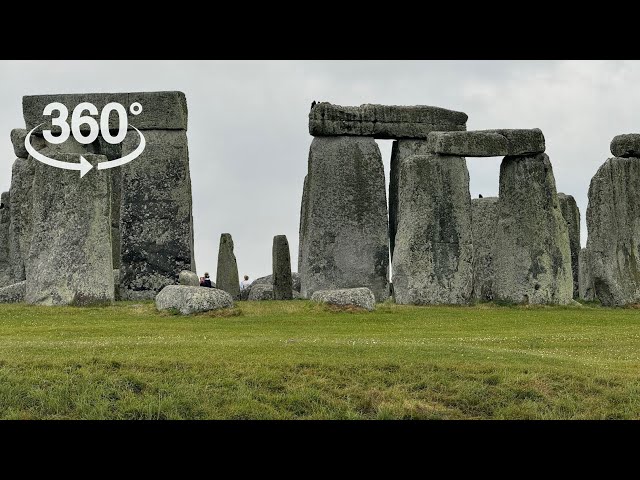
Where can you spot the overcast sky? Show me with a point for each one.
(248, 125)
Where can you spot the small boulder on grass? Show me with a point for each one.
(359, 297)
(188, 299)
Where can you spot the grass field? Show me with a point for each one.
(297, 360)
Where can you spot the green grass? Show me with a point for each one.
(296, 360)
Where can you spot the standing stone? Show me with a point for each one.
(5, 218)
(432, 263)
(303, 215)
(69, 260)
(532, 258)
(484, 220)
(571, 214)
(20, 216)
(227, 275)
(587, 290)
(613, 222)
(345, 225)
(155, 214)
(400, 150)
(282, 282)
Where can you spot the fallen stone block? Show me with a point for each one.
(359, 297)
(187, 299)
(261, 292)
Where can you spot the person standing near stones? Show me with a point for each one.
(244, 284)
(207, 281)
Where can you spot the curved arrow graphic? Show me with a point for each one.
(127, 158)
(83, 166)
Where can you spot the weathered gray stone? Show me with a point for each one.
(160, 110)
(20, 216)
(613, 219)
(281, 265)
(400, 150)
(484, 221)
(532, 257)
(571, 214)
(303, 215)
(116, 281)
(188, 278)
(432, 262)
(227, 274)
(488, 143)
(627, 145)
(345, 225)
(268, 280)
(587, 288)
(156, 231)
(187, 299)
(17, 139)
(383, 121)
(358, 297)
(69, 260)
(13, 293)
(261, 292)
(5, 218)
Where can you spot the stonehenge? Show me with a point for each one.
(127, 233)
(148, 202)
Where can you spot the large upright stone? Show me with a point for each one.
(22, 174)
(571, 214)
(432, 263)
(532, 255)
(345, 225)
(156, 228)
(227, 274)
(5, 218)
(613, 222)
(303, 216)
(484, 221)
(400, 150)
(585, 277)
(383, 121)
(69, 261)
(281, 264)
